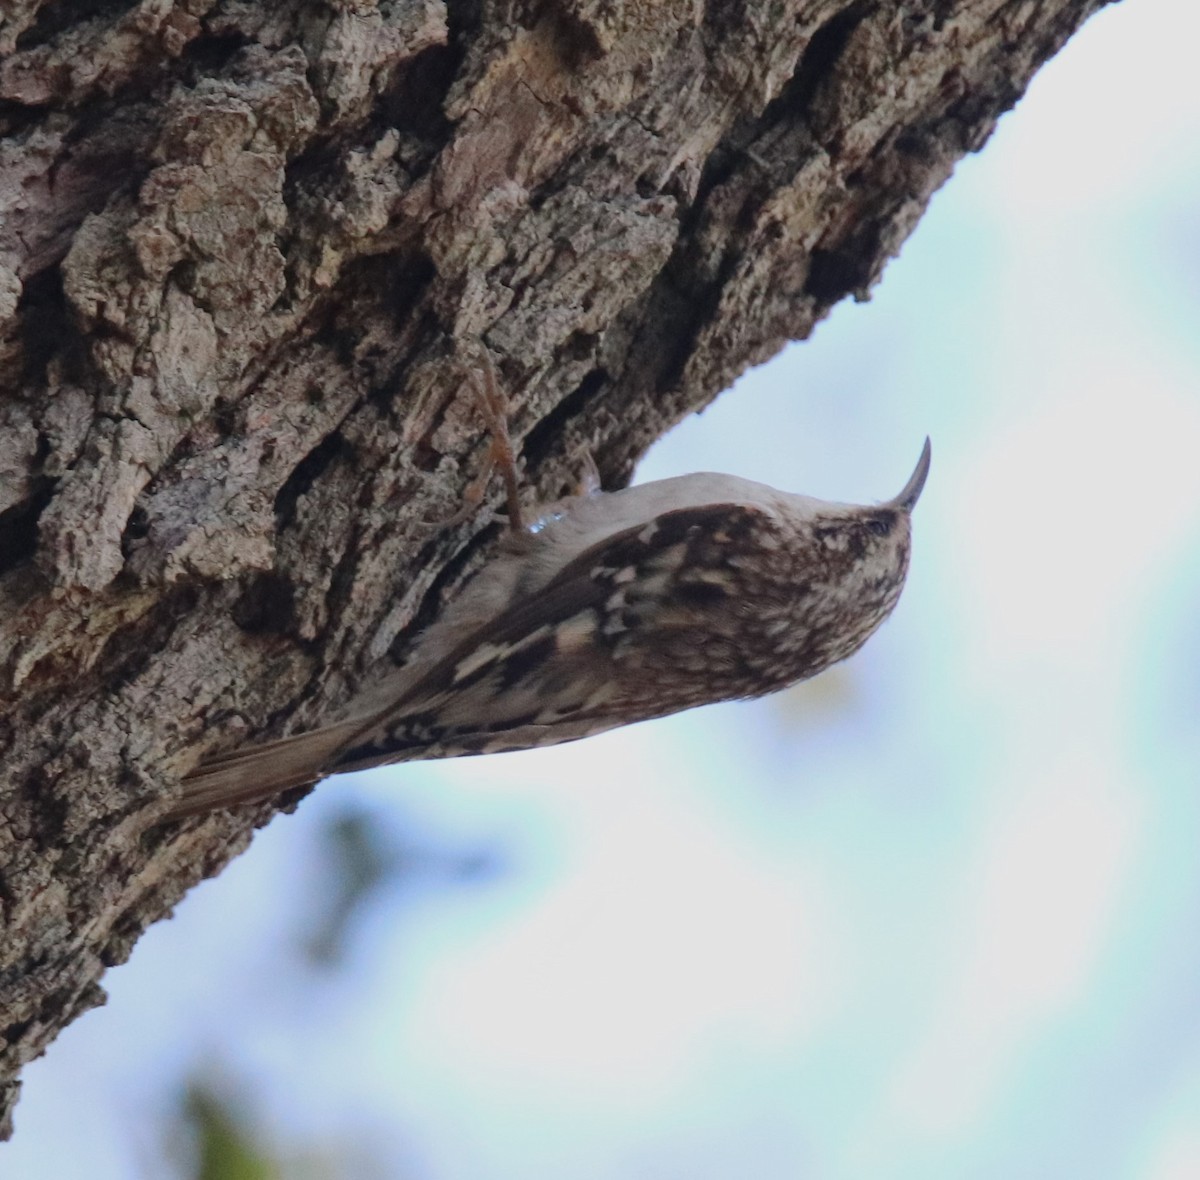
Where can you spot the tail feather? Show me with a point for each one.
(250, 775)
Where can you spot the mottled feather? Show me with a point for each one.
(623, 606)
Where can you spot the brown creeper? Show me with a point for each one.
(621, 607)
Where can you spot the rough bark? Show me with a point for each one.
(239, 243)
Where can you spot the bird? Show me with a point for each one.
(610, 608)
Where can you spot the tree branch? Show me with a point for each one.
(240, 246)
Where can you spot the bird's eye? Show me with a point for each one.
(879, 527)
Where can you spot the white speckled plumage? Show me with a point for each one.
(619, 607)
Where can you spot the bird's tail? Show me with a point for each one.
(259, 772)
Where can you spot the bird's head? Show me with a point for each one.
(852, 568)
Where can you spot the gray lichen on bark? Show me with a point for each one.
(239, 244)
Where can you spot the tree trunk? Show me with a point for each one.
(240, 244)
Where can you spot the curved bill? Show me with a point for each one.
(912, 490)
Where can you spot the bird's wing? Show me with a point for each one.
(538, 673)
(543, 670)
